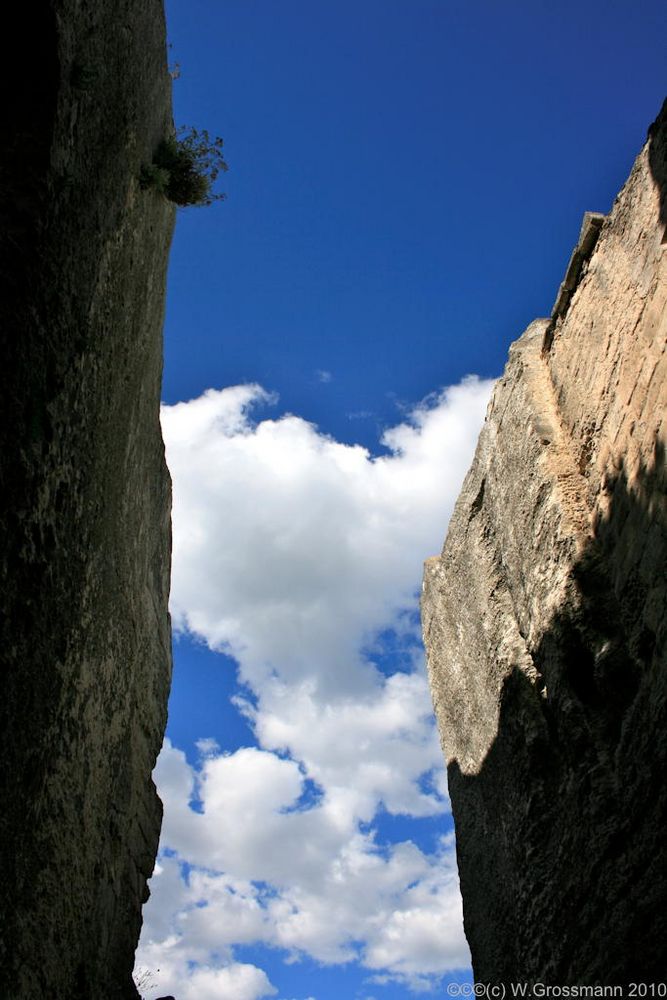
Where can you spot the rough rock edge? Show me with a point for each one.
(544, 623)
(84, 495)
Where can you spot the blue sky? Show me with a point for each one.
(406, 182)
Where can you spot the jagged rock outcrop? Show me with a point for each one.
(545, 626)
(84, 494)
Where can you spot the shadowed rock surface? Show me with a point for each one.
(545, 626)
(84, 495)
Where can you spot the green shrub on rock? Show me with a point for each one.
(185, 167)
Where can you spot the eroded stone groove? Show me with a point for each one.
(84, 495)
(544, 622)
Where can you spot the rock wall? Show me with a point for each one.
(545, 626)
(84, 494)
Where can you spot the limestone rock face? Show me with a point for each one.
(84, 494)
(544, 622)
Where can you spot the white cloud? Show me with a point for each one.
(372, 749)
(175, 972)
(334, 895)
(208, 747)
(301, 557)
(291, 548)
(422, 935)
(232, 982)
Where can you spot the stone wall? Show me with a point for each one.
(545, 626)
(84, 494)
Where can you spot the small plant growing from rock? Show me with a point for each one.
(143, 978)
(185, 167)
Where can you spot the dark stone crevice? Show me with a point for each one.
(84, 495)
(565, 821)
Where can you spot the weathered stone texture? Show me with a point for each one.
(544, 622)
(84, 495)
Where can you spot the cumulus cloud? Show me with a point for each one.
(233, 982)
(176, 970)
(364, 751)
(290, 547)
(305, 883)
(300, 556)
